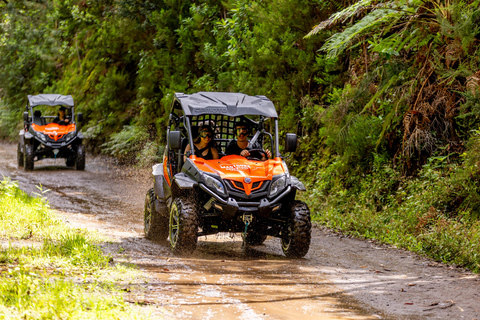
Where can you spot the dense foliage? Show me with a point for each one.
(398, 143)
(384, 95)
(122, 60)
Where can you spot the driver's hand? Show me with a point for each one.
(245, 153)
(269, 154)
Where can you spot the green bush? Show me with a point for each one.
(126, 144)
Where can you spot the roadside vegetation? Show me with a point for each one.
(49, 270)
(398, 145)
(384, 95)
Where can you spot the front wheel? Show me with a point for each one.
(155, 219)
(80, 159)
(20, 155)
(296, 239)
(28, 156)
(183, 226)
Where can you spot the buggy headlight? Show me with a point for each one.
(214, 184)
(277, 185)
(40, 136)
(70, 135)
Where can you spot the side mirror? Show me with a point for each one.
(79, 117)
(290, 142)
(174, 140)
(25, 116)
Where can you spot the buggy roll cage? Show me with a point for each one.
(50, 100)
(225, 108)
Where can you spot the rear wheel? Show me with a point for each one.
(296, 240)
(20, 155)
(80, 159)
(183, 226)
(28, 156)
(155, 218)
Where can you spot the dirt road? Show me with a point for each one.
(340, 277)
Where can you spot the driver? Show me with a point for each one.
(241, 146)
(61, 119)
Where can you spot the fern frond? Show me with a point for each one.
(337, 43)
(342, 135)
(387, 86)
(340, 17)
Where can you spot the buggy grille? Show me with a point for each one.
(237, 190)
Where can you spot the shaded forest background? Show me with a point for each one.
(384, 95)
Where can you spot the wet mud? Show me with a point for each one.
(340, 277)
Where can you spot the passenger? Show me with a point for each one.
(37, 117)
(61, 119)
(241, 146)
(204, 144)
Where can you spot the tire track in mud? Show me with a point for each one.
(340, 278)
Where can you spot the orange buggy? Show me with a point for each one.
(41, 138)
(192, 196)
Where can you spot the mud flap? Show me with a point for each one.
(264, 209)
(157, 172)
(231, 209)
(184, 182)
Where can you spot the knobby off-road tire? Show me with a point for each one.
(183, 226)
(20, 155)
(28, 156)
(80, 159)
(254, 239)
(296, 241)
(155, 218)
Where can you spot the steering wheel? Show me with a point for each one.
(261, 151)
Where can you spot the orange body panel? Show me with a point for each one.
(166, 171)
(237, 168)
(54, 130)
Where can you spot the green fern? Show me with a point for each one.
(337, 43)
(342, 16)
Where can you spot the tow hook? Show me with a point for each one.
(247, 219)
(55, 152)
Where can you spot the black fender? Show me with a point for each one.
(157, 172)
(297, 184)
(28, 135)
(184, 182)
(21, 135)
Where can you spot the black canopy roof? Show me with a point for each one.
(50, 100)
(226, 103)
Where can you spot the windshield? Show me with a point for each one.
(43, 115)
(260, 130)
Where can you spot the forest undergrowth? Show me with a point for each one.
(434, 213)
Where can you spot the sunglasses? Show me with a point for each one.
(205, 134)
(241, 131)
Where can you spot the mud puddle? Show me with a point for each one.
(224, 280)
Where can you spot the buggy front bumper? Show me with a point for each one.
(231, 207)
